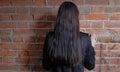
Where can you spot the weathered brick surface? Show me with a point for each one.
(21, 2)
(4, 3)
(24, 24)
(40, 2)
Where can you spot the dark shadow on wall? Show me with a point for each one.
(34, 51)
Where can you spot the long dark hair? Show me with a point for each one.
(64, 46)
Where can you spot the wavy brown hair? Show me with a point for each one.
(64, 45)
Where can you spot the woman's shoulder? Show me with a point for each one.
(83, 34)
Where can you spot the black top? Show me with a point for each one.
(88, 57)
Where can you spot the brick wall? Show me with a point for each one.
(24, 23)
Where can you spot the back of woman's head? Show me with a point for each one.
(64, 46)
(68, 15)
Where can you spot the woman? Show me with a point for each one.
(66, 49)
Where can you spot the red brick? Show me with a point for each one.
(115, 61)
(55, 2)
(41, 25)
(5, 32)
(84, 10)
(55, 11)
(114, 32)
(3, 53)
(106, 54)
(98, 9)
(19, 47)
(100, 46)
(23, 31)
(114, 54)
(101, 61)
(4, 17)
(42, 31)
(5, 46)
(0, 47)
(97, 53)
(22, 10)
(98, 32)
(116, 39)
(112, 10)
(30, 39)
(7, 25)
(40, 17)
(105, 68)
(96, 17)
(36, 60)
(22, 61)
(5, 39)
(4, 3)
(113, 46)
(40, 10)
(27, 54)
(98, 61)
(111, 24)
(35, 53)
(8, 60)
(81, 17)
(17, 39)
(114, 2)
(84, 24)
(21, 2)
(1, 60)
(78, 2)
(23, 54)
(24, 68)
(22, 25)
(115, 68)
(40, 2)
(114, 17)
(8, 67)
(97, 2)
(105, 39)
(33, 39)
(7, 10)
(11, 53)
(101, 67)
(22, 17)
(40, 39)
(36, 47)
(97, 24)
(51, 17)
